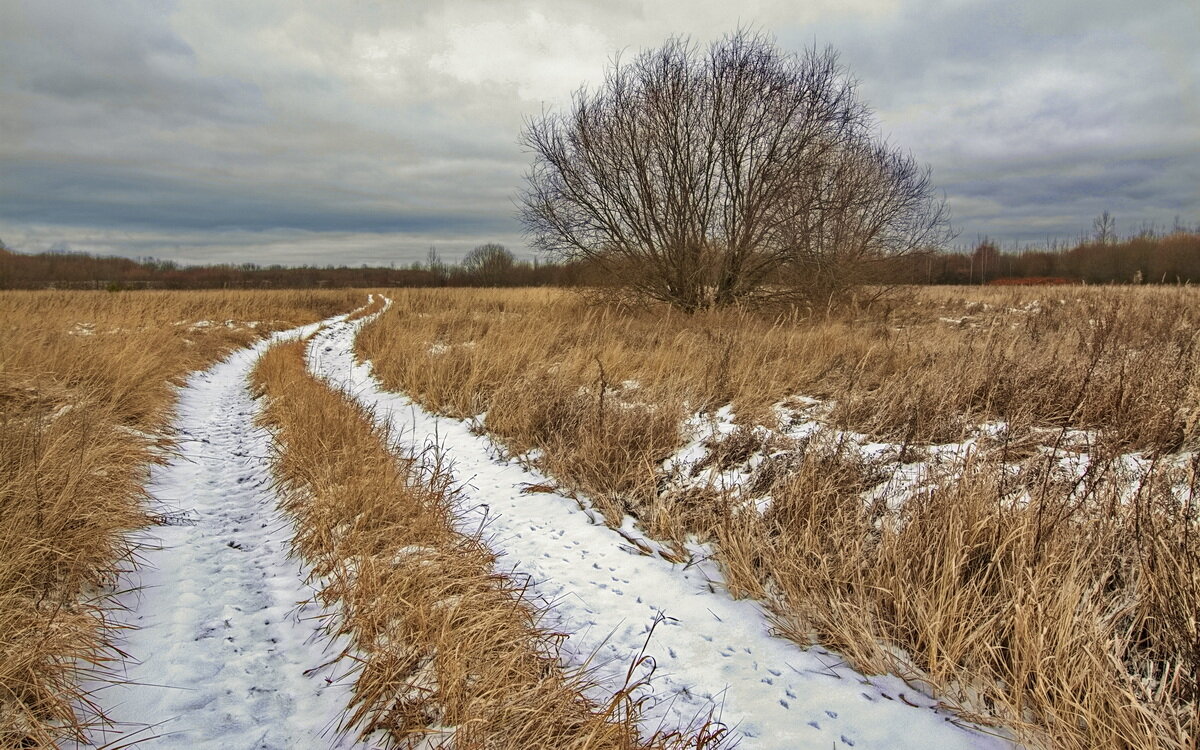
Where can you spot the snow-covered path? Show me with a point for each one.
(712, 653)
(220, 656)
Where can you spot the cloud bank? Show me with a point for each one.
(283, 131)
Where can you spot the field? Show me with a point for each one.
(983, 500)
(992, 492)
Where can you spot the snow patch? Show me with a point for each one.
(225, 642)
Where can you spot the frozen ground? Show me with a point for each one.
(713, 654)
(221, 655)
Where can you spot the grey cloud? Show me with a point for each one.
(122, 56)
(1036, 118)
(235, 246)
(297, 130)
(117, 197)
(1055, 203)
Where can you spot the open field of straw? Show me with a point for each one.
(989, 491)
(982, 500)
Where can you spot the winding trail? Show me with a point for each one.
(713, 654)
(221, 655)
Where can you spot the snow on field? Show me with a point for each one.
(713, 654)
(221, 655)
(801, 420)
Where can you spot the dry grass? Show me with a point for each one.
(449, 651)
(1064, 615)
(86, 381)
(1062, 605)
(929, 368)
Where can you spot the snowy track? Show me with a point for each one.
(220, 651)
(712, 653)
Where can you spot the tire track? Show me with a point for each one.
(221, 656)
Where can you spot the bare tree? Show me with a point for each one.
(706, 177)
(490, 264)
(1106, 228)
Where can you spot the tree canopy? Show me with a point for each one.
(705, 177)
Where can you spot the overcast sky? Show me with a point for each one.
(282, 131)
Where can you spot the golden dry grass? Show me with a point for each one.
(449, 651)
(1065, 616)
(926, 366)
(86, 384)
(1065, 607)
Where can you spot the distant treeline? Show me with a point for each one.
(1152, 259)
(83, 271)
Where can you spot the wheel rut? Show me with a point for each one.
(223, 651)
